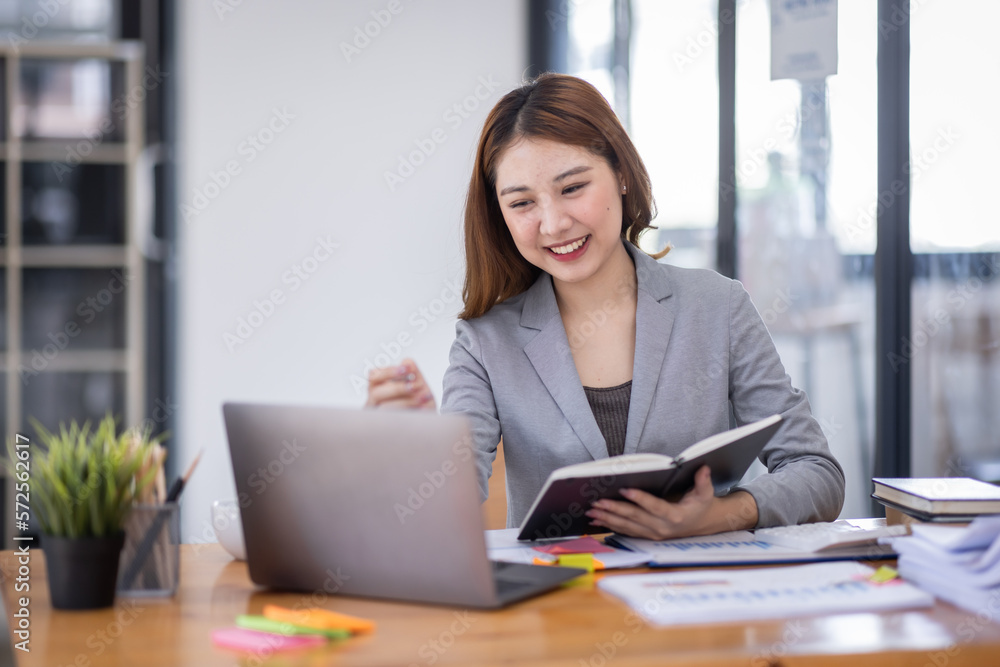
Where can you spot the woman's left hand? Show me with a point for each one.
(699, 512)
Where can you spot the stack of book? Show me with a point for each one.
(959, 564)
(938, 499)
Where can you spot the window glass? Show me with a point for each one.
(806, 174)
(954, 344)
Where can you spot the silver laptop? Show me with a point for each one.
(373, 503)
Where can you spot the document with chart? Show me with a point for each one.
(716, 596)
(742, 547)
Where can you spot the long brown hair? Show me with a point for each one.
(554, 107)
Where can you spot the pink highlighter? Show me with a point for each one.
(263, 643)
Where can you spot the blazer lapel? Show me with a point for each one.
(551, 358)
(654, 319)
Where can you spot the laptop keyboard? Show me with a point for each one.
(499, 566)
(506, 587)
(508, 578)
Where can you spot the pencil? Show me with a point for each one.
(149, 539)
(178, 485)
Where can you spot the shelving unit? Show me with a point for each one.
(50, 279)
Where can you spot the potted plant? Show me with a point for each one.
(82, 485)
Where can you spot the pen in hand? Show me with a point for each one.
(401, 386)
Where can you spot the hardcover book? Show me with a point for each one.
(559, 509)
(938, 495)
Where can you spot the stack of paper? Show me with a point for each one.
(960, 564)
(715, 596)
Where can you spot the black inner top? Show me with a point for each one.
(610, 406)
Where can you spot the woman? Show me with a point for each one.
(575, 345)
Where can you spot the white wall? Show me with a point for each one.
(277, 71)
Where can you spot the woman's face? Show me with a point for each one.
(563, 207)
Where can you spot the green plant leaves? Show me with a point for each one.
(82, 482)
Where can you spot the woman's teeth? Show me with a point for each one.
(569, 247)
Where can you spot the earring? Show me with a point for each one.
(624, 189)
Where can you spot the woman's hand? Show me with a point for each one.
(400, 386)
(699, 512)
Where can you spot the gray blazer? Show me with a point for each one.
(700, 346)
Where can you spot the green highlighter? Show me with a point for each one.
(278, 627)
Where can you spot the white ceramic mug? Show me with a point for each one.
(229, 527)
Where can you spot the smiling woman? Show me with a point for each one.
(576, 345)
(575, 121)
(566, 207)
(563, 209)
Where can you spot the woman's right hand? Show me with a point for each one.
(401, 386)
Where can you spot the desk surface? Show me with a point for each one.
(576, 626)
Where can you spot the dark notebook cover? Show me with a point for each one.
(559, 509)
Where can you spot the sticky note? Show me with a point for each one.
(264, 624)
(580, 545)
(584, 561)
(883, 575)
(318, 618)
(243, 639)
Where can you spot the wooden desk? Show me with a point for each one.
(577, 626)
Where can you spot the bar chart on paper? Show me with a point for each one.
(714, 596)
(742, 547)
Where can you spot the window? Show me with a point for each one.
(808, 156)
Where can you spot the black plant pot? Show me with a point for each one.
(82, 571)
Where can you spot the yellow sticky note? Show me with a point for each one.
(583, 561)
(883, 574)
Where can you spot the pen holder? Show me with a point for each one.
(150, 559)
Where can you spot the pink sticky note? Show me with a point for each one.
(581, 545)
(242, 639)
